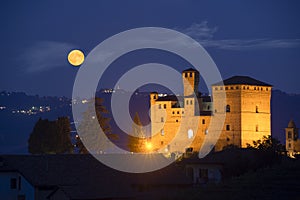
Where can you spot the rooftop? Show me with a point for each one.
(242, 80)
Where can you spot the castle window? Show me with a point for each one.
(162, 142)
(244, 87)
(191, 102)
(208, 107)
(261, 89)
(191, 74)
(290, 145)
(227, 127)
(226, 88)
(159, 106)
(256, 109)
(231, 88)
(206, 131)
(173, 112)
(203, 121)
(267, 89)
(13, 183)
(221, 88)
(187, 102)
(185, 74)
(247, 88)
(215, 110)
(216, 88)
(256, 128)
(290, 135)
(237, 87)
(178, 112)
(182, 112)
(176, 120)
(165, 106)
(227, 139)
(162, 132)
(161, 119)
(254, 88)
(190, 134)
(154, 97)
(228, 108)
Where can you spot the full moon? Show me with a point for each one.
(76, 57)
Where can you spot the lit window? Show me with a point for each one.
(227, 127)
(228, 108)
(206, 131)
(190, 134)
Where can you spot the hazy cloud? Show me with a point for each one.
(45, 55)
(204, 35)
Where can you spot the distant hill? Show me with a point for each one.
(19, 112)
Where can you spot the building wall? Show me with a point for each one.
(23, 187)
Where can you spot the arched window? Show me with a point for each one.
(228, 108)
(190, 134)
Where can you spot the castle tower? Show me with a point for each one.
(190, 79)
(292, 143)
(247, 109)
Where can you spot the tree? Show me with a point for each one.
(90, 139)
(50, 137)
(269, 144)
(137, 141)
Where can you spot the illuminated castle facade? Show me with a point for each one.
(247, 109)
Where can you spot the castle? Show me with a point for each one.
(247, 114)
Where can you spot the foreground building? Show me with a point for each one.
(247, 114)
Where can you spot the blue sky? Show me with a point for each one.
(260, 39)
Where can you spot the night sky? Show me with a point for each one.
(253, 38)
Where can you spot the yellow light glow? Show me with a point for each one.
(149, 145)
(76, 57)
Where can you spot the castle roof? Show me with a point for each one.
(242, 80)
(190, 70)
(170, 98)
(291, 124)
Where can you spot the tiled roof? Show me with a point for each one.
(242, 80)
